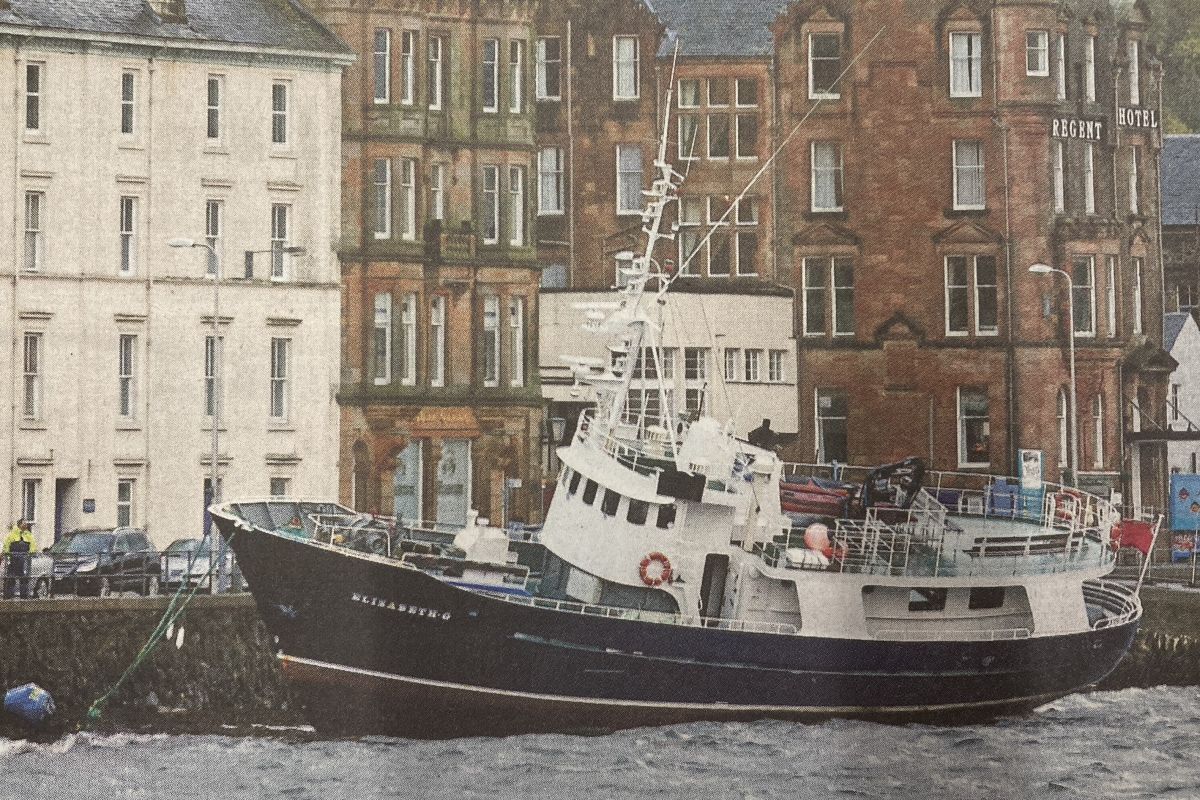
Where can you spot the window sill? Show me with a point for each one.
(35, 138)
(216, 149)
(285, 155)
(34, 425)
(207, 428)
(828, 211)
(131, 146)
(824, 97)
(548, 99)
(128, 426)
(551, 213)
(962, 210)
(626, 99)
(280, 426)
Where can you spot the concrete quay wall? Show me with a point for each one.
(224, 672)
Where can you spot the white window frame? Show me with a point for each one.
(213, 364)
(381, 339)
(686, 139)
(1133, 51)
(279, 486)
(820, 420)
(628, 175)
(721, 234)
(621, 67)
(34, 97)
(214, 227)
(408, 199)
(128, 238)
(752, 365)
(408, 67)
(737, 137)
(408, 340)
(516, 341)
(489, 58)
(280, 386)
(836, 172)
(732, 358)
(435, 58)
(1037, 53)
(129, 82)
(1098, 432)
(516, 205)
(1137, 295)
(737, 93)
(837, 291)
(1135, 204)
(775, 365)
(381, 182)
(35, 235)
(127, 364)
(544, 67)
(214, 93)
(437, 341)
(1080, 287)
(31, 491)
(693, 83)
(281, 223)
(962, 173)
(1089, 69)
(1089, 178)
(280, 116)
(381, 66)
(708, 129)
(689, 230)
(813, 93)
(972, 61)
(516, 76)
(958, 289)
(1059, 157)
(32, 380)
(980, 330)
(745, 223)
(1060, 77)
(437, 192)
(816, 295)
(1111, 295)
(125, 506)
(551, 194)
(491, 340)
(490, 203)
(963, 456)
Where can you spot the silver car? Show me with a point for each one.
(41, 573)
(187, 562)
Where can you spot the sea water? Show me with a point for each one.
(1126, 744)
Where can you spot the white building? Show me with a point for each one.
(734, 355)
(129, 124)
(1181, 338)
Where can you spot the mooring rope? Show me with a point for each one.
(165, 623)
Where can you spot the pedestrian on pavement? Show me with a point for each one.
(17, 548)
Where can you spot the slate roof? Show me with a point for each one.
(1173, 322)
(1181, 179)
(283, 24)
(729, 28)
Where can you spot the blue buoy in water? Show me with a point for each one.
(30, 702)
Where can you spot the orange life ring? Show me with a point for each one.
(664, 571)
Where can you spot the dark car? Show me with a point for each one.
(100, 561)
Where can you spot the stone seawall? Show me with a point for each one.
(224, 672)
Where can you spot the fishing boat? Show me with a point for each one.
(683, 573)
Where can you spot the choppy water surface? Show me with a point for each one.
(1127, 744)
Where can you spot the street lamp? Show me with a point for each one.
(214, 469)
(1046, 269)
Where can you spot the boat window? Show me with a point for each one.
(638, 511)
(927, 600)
(589, 492)
(666, 516)
(574, 487)
(986, 597)
(608, 506)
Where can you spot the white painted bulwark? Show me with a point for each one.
(107, 325)
(751, 326)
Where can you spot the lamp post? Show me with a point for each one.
(214, 468)
(1046, 269)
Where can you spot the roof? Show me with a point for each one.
(1173, 322)
(281, 24)
(729, 28)
(1181, 180)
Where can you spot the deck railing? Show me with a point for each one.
(1119, 603)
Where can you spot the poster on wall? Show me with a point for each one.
(1031, 470)
(1185, 502)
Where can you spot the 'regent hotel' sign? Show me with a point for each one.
(1090, 130)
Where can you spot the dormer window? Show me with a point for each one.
(169, 10)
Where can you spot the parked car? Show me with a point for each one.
(100, 561)
(187, 561)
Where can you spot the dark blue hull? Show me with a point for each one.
(373, 647)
